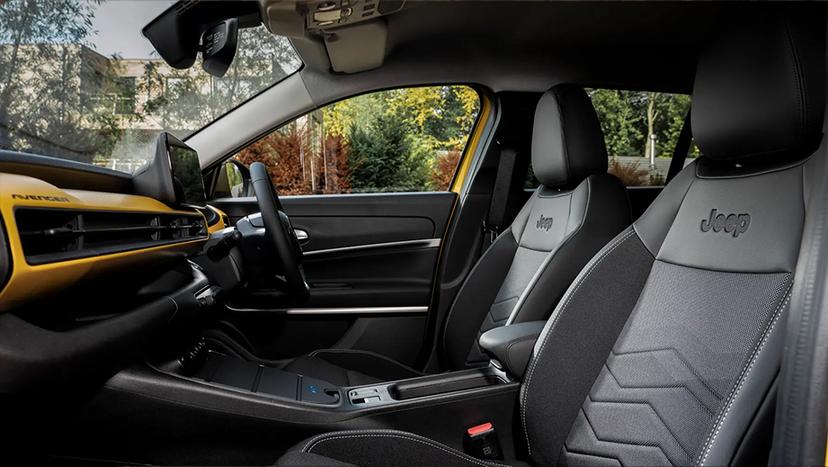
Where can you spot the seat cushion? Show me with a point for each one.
(347, 367)
(377, 448)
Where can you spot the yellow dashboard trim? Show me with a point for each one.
(218, 225)
(29, 281)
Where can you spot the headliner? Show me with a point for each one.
(530, 46)
(502, 46)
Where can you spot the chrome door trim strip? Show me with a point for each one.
(377, 310)
(423, 243)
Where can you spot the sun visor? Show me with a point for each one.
(357, 48)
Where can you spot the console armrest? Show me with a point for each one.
(512, 345)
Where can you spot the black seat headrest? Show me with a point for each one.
(760, 84)
(567, 142)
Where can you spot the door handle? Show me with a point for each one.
(301, 235)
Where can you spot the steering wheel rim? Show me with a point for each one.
(279, 231)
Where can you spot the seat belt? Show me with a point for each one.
(496, 217)
(681, 150)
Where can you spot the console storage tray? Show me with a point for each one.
(443, 383)
(233, 372)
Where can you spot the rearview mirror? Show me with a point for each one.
(219, 46)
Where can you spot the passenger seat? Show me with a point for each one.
(576, 210)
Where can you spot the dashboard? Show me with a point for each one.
(93, 261)
(57, 237)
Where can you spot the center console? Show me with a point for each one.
(231, 372)
(268, 410)
(222, 371)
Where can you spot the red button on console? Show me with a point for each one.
(480, 429)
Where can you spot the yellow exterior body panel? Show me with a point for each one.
(30, 281)
(471, 147)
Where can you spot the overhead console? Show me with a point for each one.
(353, 32)
(294, 18)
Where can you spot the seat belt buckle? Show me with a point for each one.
(491, 230)
(481, 442)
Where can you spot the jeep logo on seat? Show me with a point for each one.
(544, 223)
(734, 224)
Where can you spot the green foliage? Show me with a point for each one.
(234, 177)
(402, 139)
(45, 77)
(60, 96)
(184, 100)
(382, 158)
(621, 121)
(624, 120)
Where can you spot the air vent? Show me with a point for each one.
(211, 216)
(50, 235)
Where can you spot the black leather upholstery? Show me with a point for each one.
(666, 348)
(760, 93)
(567, 143)
(526, 270)
(512, 345)
(697, 355)
(543, 261)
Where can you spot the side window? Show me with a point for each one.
(401, 140)
(640, 129)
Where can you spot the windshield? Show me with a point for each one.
(79, 81)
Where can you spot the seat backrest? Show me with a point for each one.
(575, 211)
(666, 347)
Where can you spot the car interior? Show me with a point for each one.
(539, 300)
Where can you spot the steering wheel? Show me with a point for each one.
(279, 231)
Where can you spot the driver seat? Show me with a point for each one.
(575, 211)
(666, 349)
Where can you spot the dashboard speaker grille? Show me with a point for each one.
(51, 235)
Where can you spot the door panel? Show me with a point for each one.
(377, 250)
(379, 277)
(430, 205)
(337, 232)
(370, 261)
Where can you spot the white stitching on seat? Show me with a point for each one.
(393, 434)
(553, 253)
(525, 390)
(757, 349)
